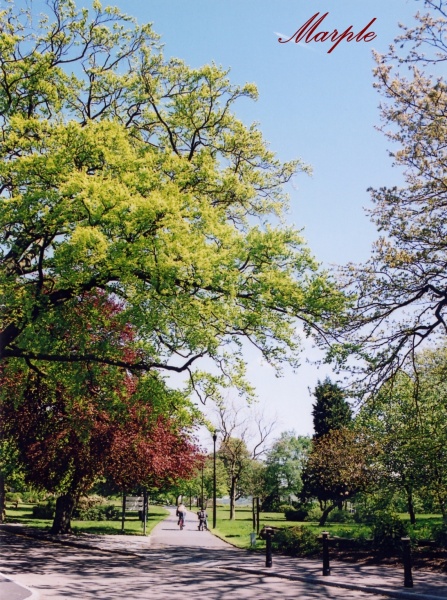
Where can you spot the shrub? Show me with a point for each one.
(44, 510)
(283, 507)
(296, 541)
(33, 497)
(295, 514)
(106, 512)
(314, 513)
(364, 515)
(439, 534)
(340, 516)
(387, 531)
(86, 502)
(13, 497)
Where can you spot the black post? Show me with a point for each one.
(214, 481)
(326, 567)
(268, 547)
(406, 550)
(201, 497)
(123, 513)
(145, 503)
(258, 510)
(253, 509)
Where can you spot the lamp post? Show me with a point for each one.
(201, 495)
(214, 479)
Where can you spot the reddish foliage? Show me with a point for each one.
(73, 426)
(155, 456)
(66, 444)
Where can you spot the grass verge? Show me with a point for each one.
(132, 526)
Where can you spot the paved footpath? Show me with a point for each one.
(175, 564)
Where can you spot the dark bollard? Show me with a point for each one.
(267, 534)
(406, 551)
(326, 567)
(268, 550)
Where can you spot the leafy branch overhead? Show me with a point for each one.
(125, 173)
(402, 290)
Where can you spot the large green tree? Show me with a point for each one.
(124, 172)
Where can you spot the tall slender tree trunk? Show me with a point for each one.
(65, 505)
(410, 504)
(232, 499)
(442, 506)
(2, 498)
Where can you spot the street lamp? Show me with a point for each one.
(214, 479)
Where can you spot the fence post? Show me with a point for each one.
(326, 567)
(406, 551)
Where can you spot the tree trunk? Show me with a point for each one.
(2, 498)
(325, 514)
(62, 518)
(442, 507)
(232, 499)
(410, 504)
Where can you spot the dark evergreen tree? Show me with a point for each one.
(330, 410)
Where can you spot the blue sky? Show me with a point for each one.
(313, 105)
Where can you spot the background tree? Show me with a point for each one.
(331, 413)
(238, 431)
(284, 464)
(128, 173)
(401, 290)
(330, 409)
(236, 458)
(340, 464)
(406, 422)
(11, 472)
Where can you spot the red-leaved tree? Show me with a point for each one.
(73, 423)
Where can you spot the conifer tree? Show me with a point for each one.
(330, 410)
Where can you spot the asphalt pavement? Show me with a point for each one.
(187, 559)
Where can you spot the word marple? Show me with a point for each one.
(308, 31)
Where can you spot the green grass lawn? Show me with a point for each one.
(237, 532)
(132, 525)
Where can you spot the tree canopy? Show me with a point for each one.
(405, 421)
(284, 467)
(340, 464)
(127, 173)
